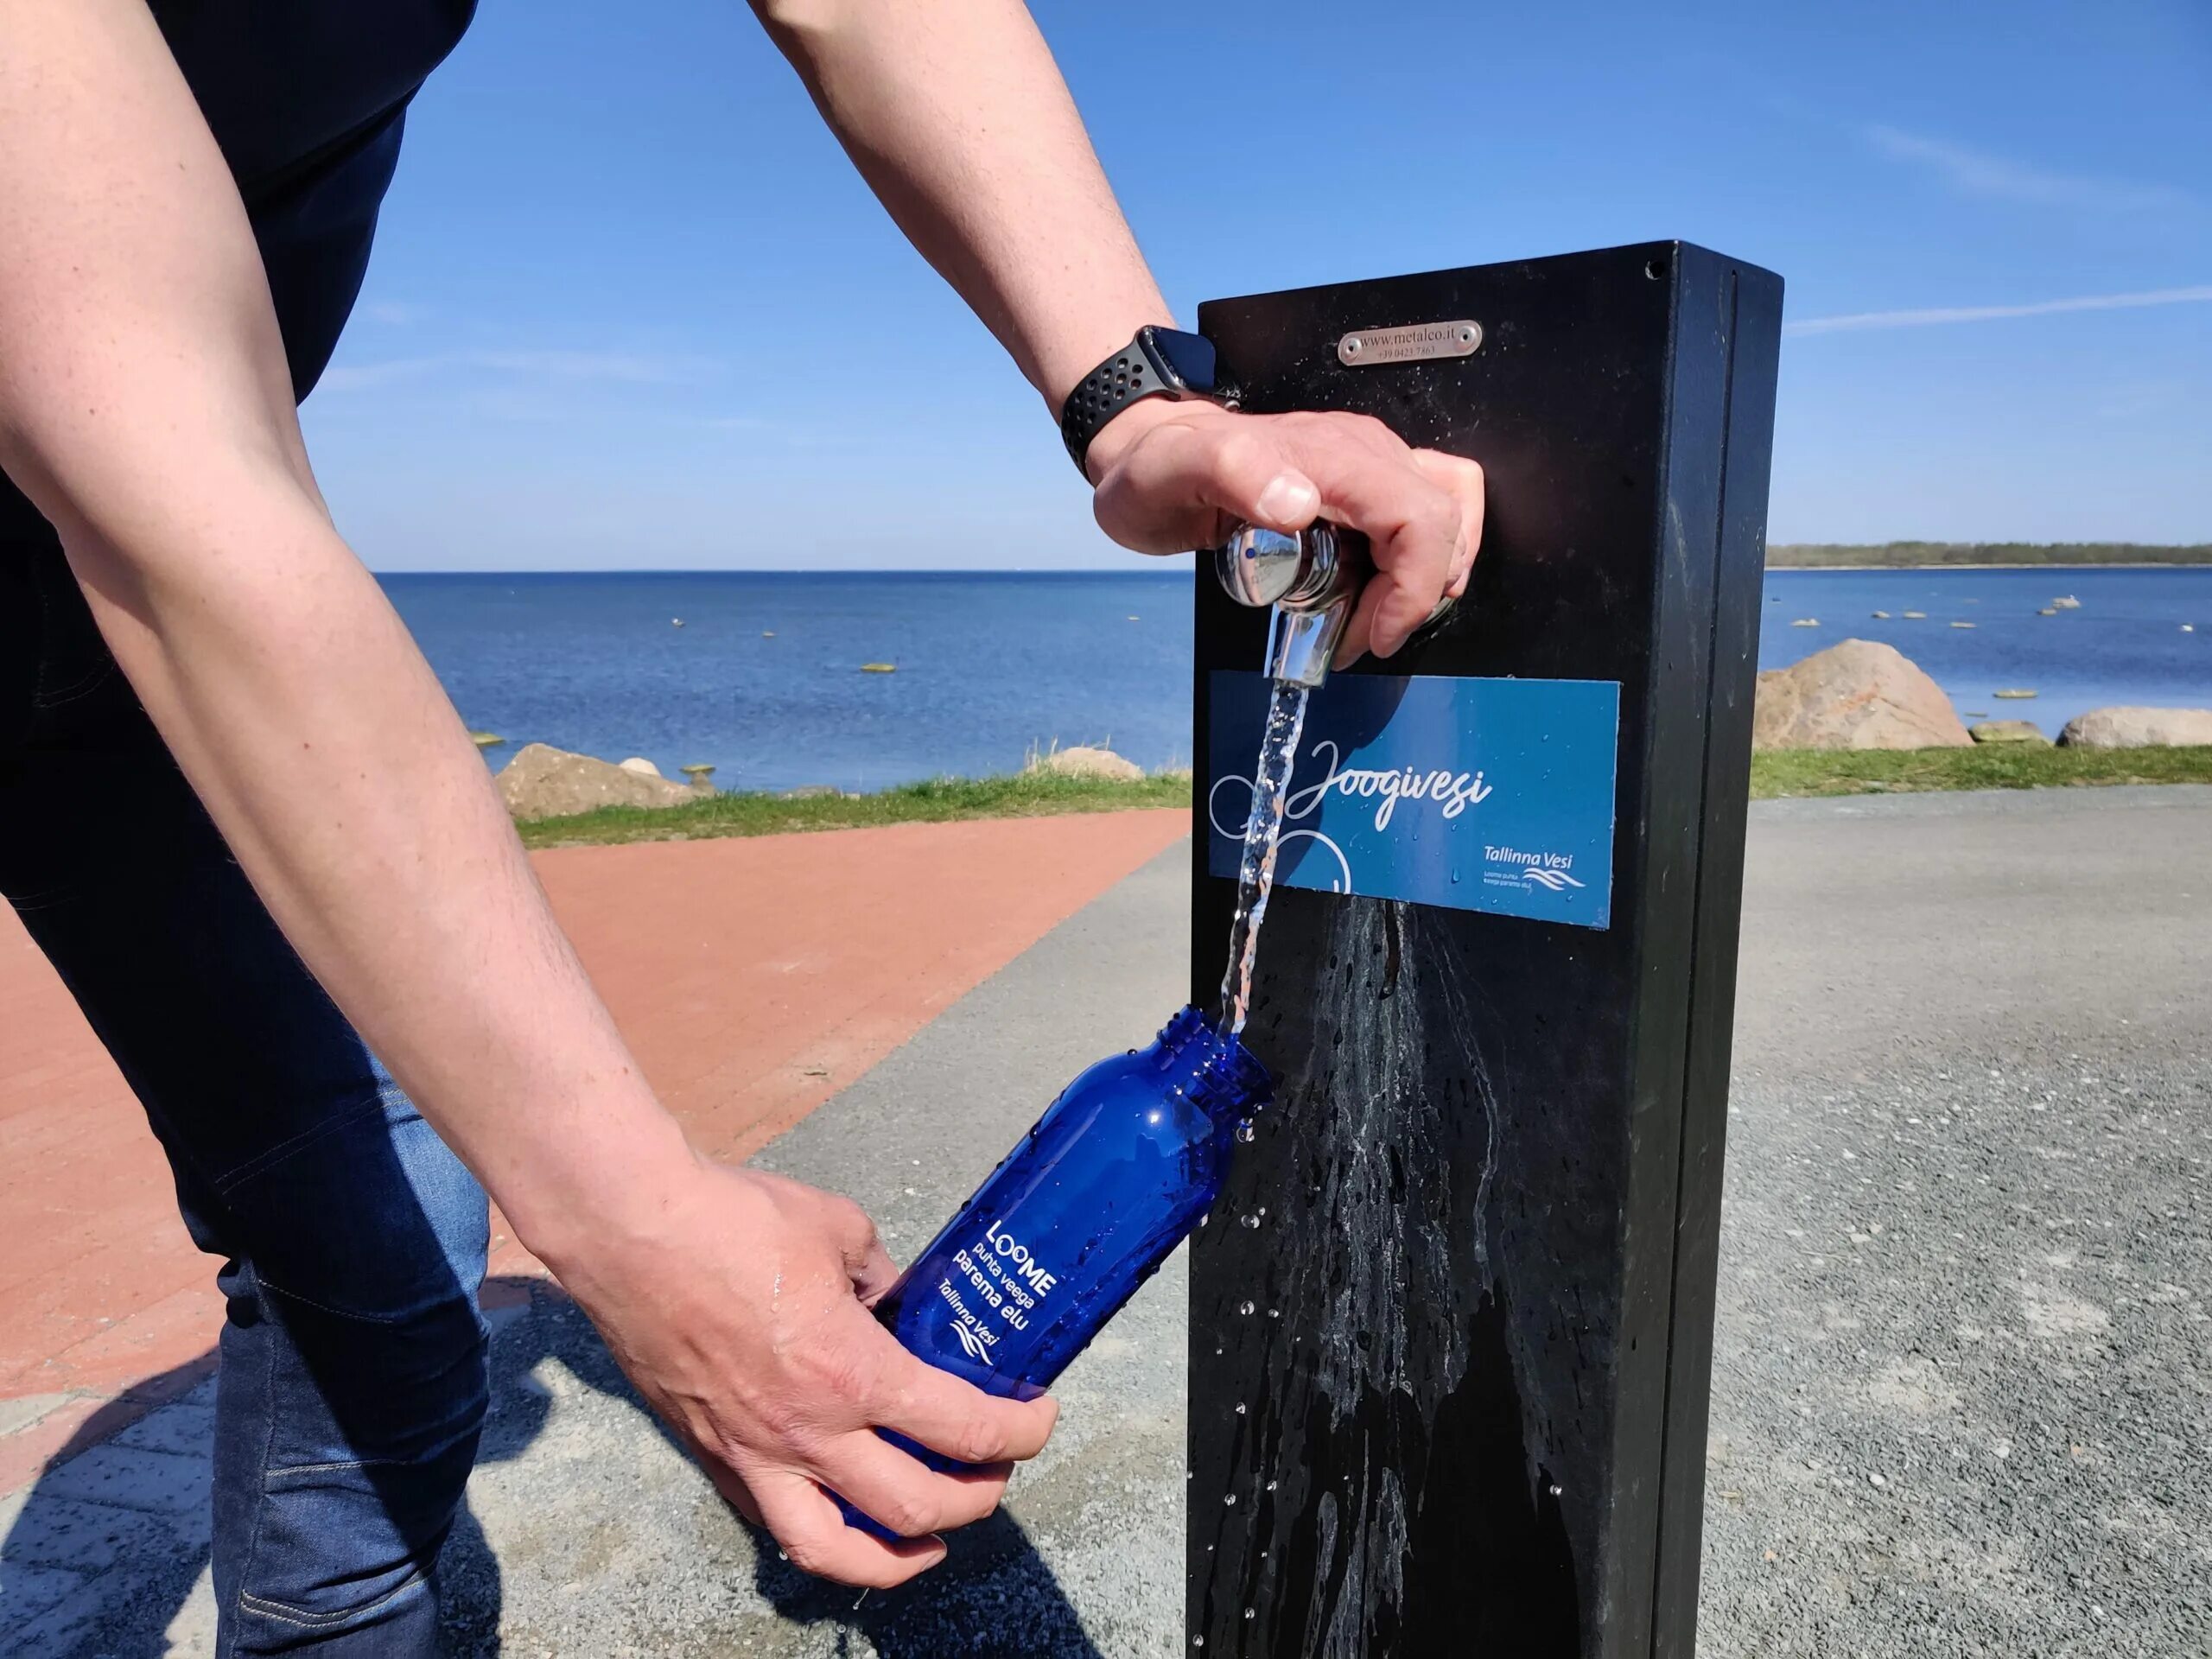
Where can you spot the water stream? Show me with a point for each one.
(1255, 873)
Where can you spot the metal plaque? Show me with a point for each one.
(1414, 342)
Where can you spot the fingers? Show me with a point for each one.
(960, 1420)
(814, 1536)
(1463, 480)
(1185, 482)
(1188, 478)
(899, 1491)
(1429, 560)
(869, 1264)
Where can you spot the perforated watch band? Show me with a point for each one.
(1156, 363)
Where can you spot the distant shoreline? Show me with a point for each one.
(1985, 555)
(2148, 564)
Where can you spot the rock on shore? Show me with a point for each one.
(2137, 729)
(1858, 695)
(1082, 762)
(543, 782)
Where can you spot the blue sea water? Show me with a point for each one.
(2124, 646)
(764, 682)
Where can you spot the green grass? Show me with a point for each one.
(1986, 765)
(1023, 795)
(1030, 795)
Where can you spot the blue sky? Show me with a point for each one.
(631, 307)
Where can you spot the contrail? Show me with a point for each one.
(1996, 313)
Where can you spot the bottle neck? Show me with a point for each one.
(1220, 1074)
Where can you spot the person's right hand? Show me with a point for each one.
(741, 1311)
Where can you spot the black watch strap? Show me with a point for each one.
(1157, 362)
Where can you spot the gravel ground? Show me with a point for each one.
(1963, 1379)
(1962, 1392)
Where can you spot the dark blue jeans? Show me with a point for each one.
(353, 1381)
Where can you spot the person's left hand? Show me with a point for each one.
(1173, 476)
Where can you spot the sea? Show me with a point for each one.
(761, 676)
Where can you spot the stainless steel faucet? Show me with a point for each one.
(1313, 580)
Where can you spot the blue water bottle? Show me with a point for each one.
(1114, 1175)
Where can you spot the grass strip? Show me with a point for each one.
(1022, 795)
(1774, 774)
(1783, 773)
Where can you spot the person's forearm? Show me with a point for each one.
(955, 114)
(145, 407)
(330, 759)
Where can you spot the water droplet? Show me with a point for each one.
(1245, 1308)
(1556, 1491)
(1228, 1500)
(1197, 1641)
(1271, 1485)
(1239, 1408)
(1248, 1613)
(1274, 1312)
(1262, 1210)
(1455, 875)
(1252, 1221)
(1246, 1133)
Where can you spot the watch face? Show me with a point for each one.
(1187, 360)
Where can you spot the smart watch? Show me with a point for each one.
(1157, 362)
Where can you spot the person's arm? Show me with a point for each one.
(145, 407)
(955, 114)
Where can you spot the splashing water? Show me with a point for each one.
(1256, 875)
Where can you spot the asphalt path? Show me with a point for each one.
(1963, 1377)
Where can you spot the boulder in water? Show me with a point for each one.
(2137, 729)
(2007, 731)
(543, 782)
(1858, 695)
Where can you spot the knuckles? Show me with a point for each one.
(908, 1514)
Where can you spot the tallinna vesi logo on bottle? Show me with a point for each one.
(1008, 1278)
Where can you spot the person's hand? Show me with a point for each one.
(1173, 476)
(740, 1310)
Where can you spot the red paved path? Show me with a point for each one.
(754, 978)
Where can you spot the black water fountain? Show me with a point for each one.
(1451, 1324)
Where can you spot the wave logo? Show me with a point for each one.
(1235, 830)
(1555, 880)
(972, 1341)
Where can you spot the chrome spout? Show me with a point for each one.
(1311, 579)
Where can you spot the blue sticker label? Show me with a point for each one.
(1491, 794)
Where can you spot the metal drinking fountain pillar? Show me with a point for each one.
(1452, 1322)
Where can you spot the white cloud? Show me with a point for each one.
(1923, 318)
(1977, 172)
(394, 314)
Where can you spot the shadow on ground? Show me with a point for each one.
(143, 1588)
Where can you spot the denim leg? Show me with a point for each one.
(352, 1387)
(353, 1381)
